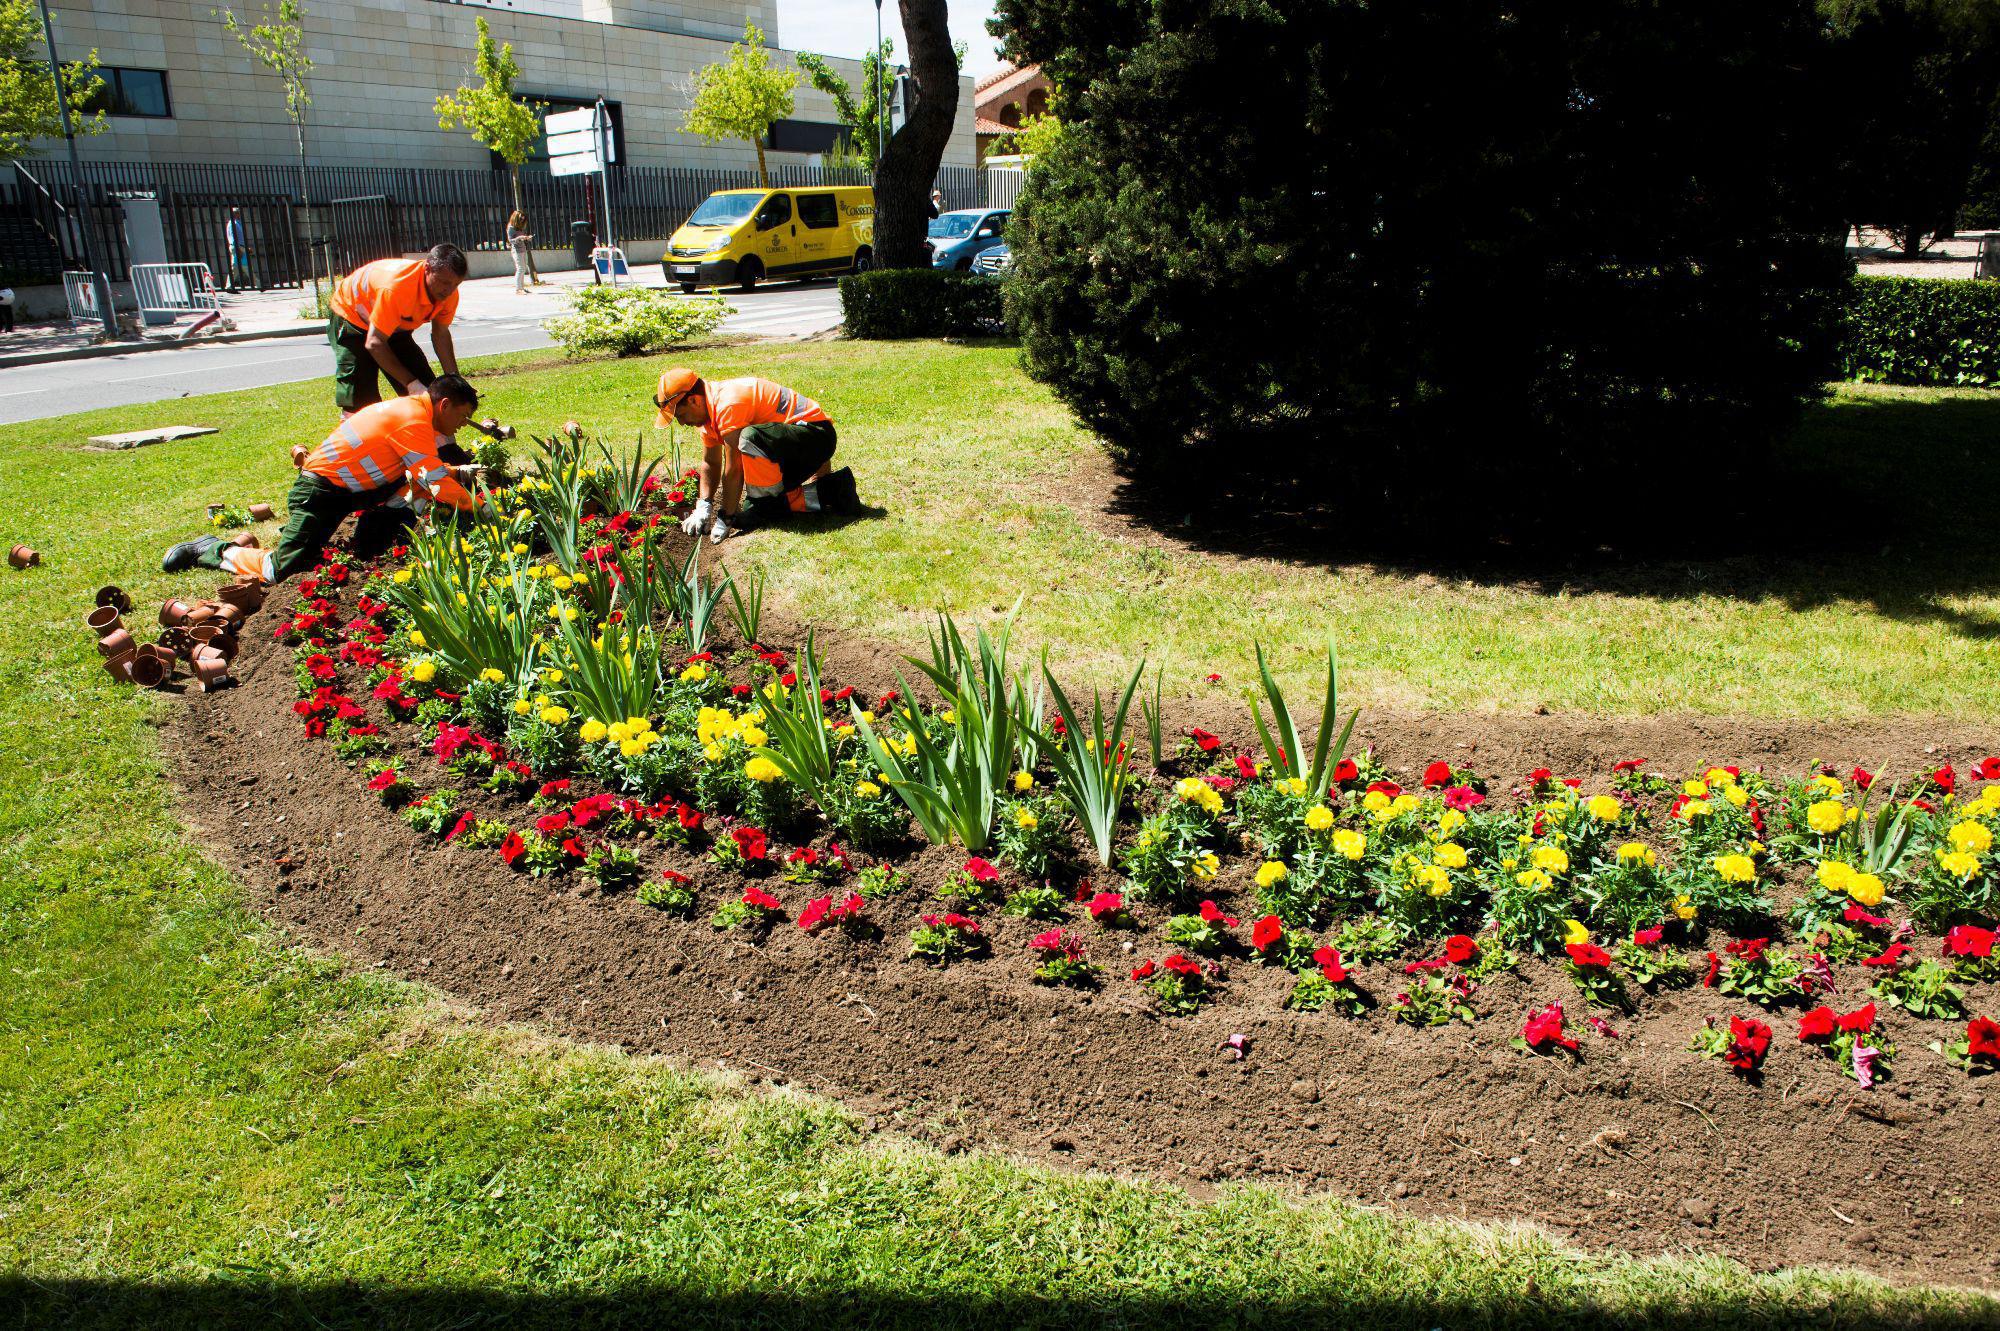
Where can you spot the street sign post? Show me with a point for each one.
(581, 144)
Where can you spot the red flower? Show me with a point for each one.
(551, 823)
(1345, 770)
(1437, 774)
(1648, 937)
(1816, 1024)
(673, 876)
(551, 789)
(1588, 956)
(1854, 914)
(1541, 776)
(1213, 914)
(1144, 970)
(1330, 965)
(815, 913)
(1267, 933)
(1982, 1038)
(1245, 768)
(1103, 904)
(1545, 1028)
(1182, 967)
(574, 849)
(1463, 798)
(465, 820)
(1863, 778)
(383, 779)
(689, 817)
(1987, 770)
(1714, 969)
(980, 871)
(1459, 949)
(1628, 764)
(513, 848)
(750, 842)
(1389, 788)
(1204, 741)
(1968, 940)
(1749, 949)
(762, 900)
(740, 690)
(1888, 957)
(1214, 678)
(1945, 779)
(1861, 1019)
(1748, 1040)
(1425, 967)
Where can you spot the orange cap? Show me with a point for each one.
(674, 384)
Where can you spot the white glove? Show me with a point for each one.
(721, 530)
(416, 388)
(693, 523)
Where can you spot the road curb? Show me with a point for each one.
(128, 348)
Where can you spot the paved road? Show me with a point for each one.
(29, 392)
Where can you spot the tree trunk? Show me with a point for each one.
(910, 161)
(305, 209)
(763, 177)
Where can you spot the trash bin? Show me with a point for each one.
(581, 242)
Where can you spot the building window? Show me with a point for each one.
(131, 92)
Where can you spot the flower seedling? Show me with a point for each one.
(1037, 903)
(1330, 985)
(1860, 1051)
(389, 785)
(1060, 958)
(880, 880)
(1590, 966)
(1367, 939)
(755, 908)
(1971, 951)
(612, 867)
(1179, 983)
(1651, 963)
(1108, 909)
(1756, 971)
(1742, 1044)
(1979, 1051)
(743, 848)
(671, 892)
(943, 939)
(1206, 932)
(1542, 1032)
(849, 915)
(1923, 990)
(434, 813)
(1434, 1000)
(975, 882)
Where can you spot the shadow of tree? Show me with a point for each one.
(1885, 502)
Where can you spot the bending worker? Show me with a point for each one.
(382, 462)
(761, 442)
(376, 310)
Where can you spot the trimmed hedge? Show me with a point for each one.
(1929, 331)
(920, 302)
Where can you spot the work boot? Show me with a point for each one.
(188, 553)
(837, 493)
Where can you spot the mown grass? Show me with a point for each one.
(203, 1124)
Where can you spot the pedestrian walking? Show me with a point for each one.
(518, 241)
(239, 251)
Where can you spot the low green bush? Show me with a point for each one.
(625, 321)
(920, 302)
(1922, 330)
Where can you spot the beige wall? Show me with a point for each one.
(379, 65)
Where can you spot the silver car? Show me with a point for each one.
(995, 262)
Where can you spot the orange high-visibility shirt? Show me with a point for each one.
(388, 296)
(381, 444)
(735, 403)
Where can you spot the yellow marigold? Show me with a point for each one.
(1435, 881)
(1024, 780)
(1551, 860)
(762, 769)
(423, 672)
(1719, 776)
(1295, 786)
(1404, 804)
(754, 737)
(1736, 795)
(1350, 843)
(1574, 932)
(867, 790)
(1694, 789)
(564, 582)
(1970, 836)
(555, 716)
(1374, 801)
(1866, 888)
(1534, 880)
(695, 673)
(1684, 907)
(1826, 817)
(1831, 785)
(522, 707)
(1450, 821)
(1604, 808)
(1207, 866)
(519, 548)
(1736, 868)
(1990, 796)
(1958, 863)
(1272, 872)
(592, 731)
(416, 638)
(950, 718)
(1636, 852)
(710, 752)
(1834, 875)
(632, 748)
(402, 575)
(1191, 790)
(1318, 818)
(1025, 820)
(1449, 854)
(1694, 809)
(619, 731)
(491, 676)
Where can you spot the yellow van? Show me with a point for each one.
(742, 236)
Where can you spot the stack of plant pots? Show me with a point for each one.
(202, 634)
(130, 662)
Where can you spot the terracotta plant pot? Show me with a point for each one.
(245, 539)
(164, 655)
(146, 671)
(262, 513)
(230, 613)
(246, 597)
(116, 643)
(209, 670)
(175, 640)
(173, 612)
(228, 646)
(120, 667)
(22, 556)
(201, 612)
(104, 619)
(115, 597)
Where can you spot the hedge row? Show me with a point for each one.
(920, 302)
(1921, 330)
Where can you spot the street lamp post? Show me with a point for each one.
(100, 284)
(881, 111)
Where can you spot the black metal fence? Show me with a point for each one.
(359, 213)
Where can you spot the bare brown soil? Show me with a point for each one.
(1637, 1144)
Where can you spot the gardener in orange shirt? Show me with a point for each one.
(375, 312)
(382, 462)
(760, 441)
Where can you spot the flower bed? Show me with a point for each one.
(752, 807)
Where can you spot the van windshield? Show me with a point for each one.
(952, 226)
(725, 209)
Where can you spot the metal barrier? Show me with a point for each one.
(81, 291)
(165, 291)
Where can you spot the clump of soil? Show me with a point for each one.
(1637, 1144)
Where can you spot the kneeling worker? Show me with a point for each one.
(381, 462)
(375, 312)
(761, 442)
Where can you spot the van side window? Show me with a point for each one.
(818, 210)
(777, 211)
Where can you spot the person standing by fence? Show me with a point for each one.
(518, 241)
(239, 251)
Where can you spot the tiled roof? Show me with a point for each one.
(1004, 82)
(981, 125)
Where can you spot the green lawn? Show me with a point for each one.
(203, 1124)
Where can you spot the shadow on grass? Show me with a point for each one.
(1887, 503)
(228, 1304)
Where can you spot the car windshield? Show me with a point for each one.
(953, 226)
(725, 209)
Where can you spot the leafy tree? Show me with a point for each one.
(28, 108)
(910, 160)
(279, 45)
(861, 117)
(504, 124)
(1446, 268)
(1918, 80)
(740, 97)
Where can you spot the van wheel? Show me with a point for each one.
(864, 259)
(747, 274)
(964, 265)
(687, 288)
